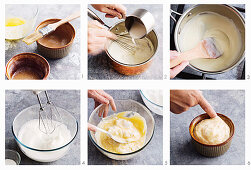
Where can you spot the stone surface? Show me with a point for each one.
(18, 100)
(99, 66)
(228, 102)
(67, 68)
(150, 155)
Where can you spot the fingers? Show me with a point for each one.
(176, 70)
(115, 10)
(174, 54)
(97, 37)
(97, 97)
(106, 110)
(110, 98)
(109, 16)
(206, 106)
(91, 127)
(102, 97)
(95, 24)
(104, 33)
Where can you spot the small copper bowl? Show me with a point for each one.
(211, 150)
(65, 33)
(28, 61)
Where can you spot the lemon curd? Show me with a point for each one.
(12, 22)
(132, 130)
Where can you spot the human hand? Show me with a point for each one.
(177, 69)
(101, 97)
(111, 10)
(182, 100)
(97, 37)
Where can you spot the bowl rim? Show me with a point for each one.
(123, 154)
(15, 152)
(44, 150)
(216, 145)
(132, 65)
(141, 92)
(28, 53)
(57, 19)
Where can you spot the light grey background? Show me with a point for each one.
(99, 67)
(67, 68)
(16, 101)
(150, 155)
(233, 74)
(228, 102)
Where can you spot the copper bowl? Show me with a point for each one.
(65, 31)
(32, 61)
(132, 69)
(211, 150)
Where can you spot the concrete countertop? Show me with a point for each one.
(17, 100)
(67, 68)
(228, 102)
(150, 155)
(99, 66)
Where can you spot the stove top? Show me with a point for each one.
(188, 73)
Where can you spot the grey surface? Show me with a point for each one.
(150, 155)
(228, 102)
(16, 101)
(99, 67)
(67, 68)
(233, 74)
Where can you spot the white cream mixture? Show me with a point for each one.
(212, 131)
(155, 96)
(139, 52)
(10, 162)
(222, 29)
(31, 136)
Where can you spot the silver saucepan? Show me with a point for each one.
(225, 10)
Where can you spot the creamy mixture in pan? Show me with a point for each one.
(222, 29)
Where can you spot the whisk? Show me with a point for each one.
(49, 117)
(126, 42)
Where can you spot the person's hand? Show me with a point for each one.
(97, 37)
(177, 69)
(182, 100)
(101, 97)
(111, 10)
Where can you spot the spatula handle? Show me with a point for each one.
(65, 20)
(195, 53)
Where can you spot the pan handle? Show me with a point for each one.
(177, 13)
(94, 16)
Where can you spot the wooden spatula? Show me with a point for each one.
(207, 48)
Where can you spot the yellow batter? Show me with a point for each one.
(222, 29)
(132, 129)
(212, 131)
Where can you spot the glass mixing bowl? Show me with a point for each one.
(26, 12)
(123, 105)
(156, 108)
(39, 155)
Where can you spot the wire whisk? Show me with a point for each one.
(49, 116)
(126, 42)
